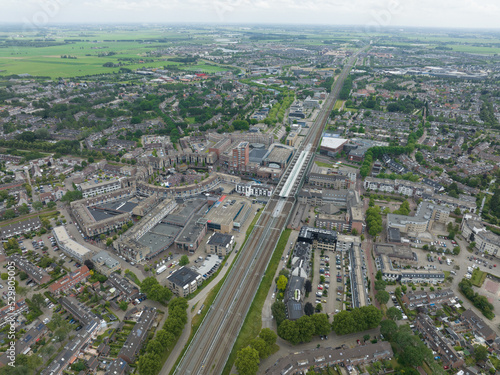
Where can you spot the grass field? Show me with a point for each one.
(253, 321)
(338, 104)
(478, 278)
(124, 45)
(322, 164)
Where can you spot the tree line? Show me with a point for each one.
(150, 363)
(481, 302)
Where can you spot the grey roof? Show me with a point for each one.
(183, 276)
(220, 239)
(137, 335)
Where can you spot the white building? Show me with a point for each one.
(69, 246)
(92, 188)
(473, 230)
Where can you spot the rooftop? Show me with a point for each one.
(183, 276)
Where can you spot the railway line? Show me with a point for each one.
(212, 344)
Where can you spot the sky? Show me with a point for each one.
(370, 14)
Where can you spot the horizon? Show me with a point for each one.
(459, 14)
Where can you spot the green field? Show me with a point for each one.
(478, 277)
(90, 52)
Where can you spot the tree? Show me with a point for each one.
(380, 284)
(23, 275)
(261, 346)
(50, 205)
(89, 264)
(413, 356)
(289, 331)
(149, 364)
(9, 214)
(309, 308)
(388, 328)
(282, 282)
(165, 338)
(37, 300)
(37, 205)
(247, 361)
(269, 336)
(354, 232)
(480, 353)
(394, 314)
(279, 312)
(322, 325)
(23, 209)
(308, 286)
(109, 241)
(184, 260)
(382, 297)
(366, 337)
(419, 157)
(123, 305)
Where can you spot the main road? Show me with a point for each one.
(212, 344)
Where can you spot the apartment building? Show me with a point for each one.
(220, 244)
(184, 281)
(69, 246)
(92, 188)
(475, 231)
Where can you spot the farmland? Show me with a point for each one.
(74, 55)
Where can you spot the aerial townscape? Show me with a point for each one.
(207, 199)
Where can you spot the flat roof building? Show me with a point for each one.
(184, 281)
(227, 214)
(322, 239)
(331, 146)
(105, 263)
(220, 244)
(92, 188)
(69, 246)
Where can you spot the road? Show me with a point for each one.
(212, 344)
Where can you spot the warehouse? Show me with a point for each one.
(227, 214)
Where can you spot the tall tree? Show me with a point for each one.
(247, 361)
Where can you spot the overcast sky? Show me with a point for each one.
(366, 13)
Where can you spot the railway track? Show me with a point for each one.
(212, 344)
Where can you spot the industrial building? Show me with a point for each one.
(227, 214)
(332, 145)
